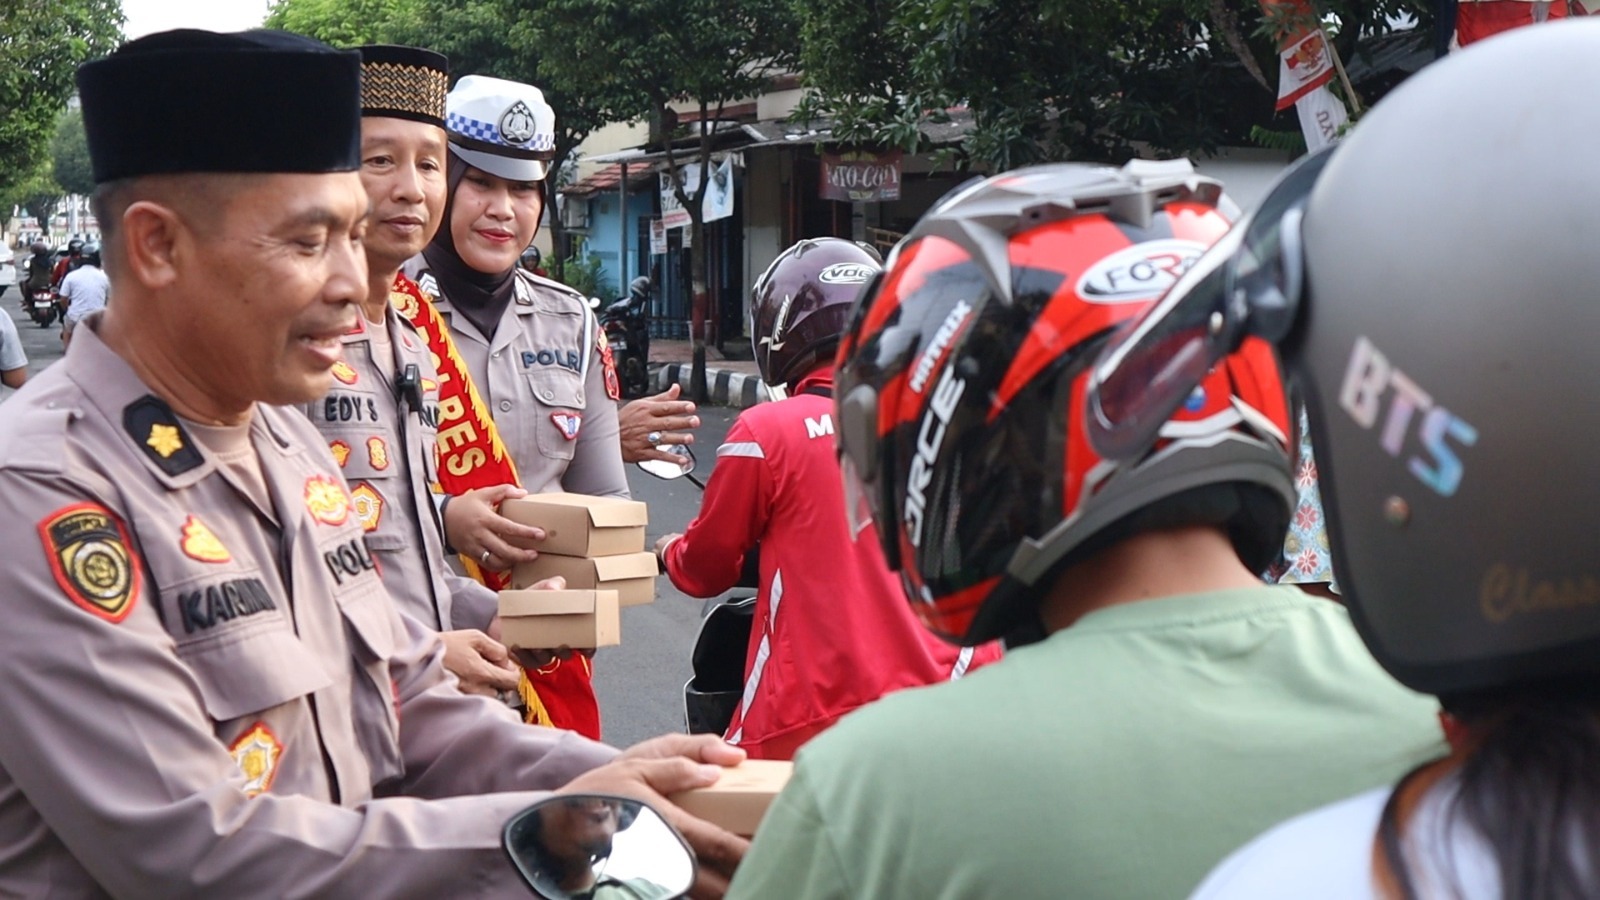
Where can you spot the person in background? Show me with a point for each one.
(1456, 431)
(1156, 700)
(829, 633)
(85, 289)
(13, 359)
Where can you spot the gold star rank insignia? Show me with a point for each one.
(88, 551)
(164, 439)
(200, 543)
(256, 752)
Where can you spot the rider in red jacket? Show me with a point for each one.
(830, 631)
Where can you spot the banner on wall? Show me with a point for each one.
(861, 177)
(1305, 70)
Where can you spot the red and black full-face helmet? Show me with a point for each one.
(961, 390)
(800, 304)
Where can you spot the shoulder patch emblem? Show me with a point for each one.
(608, 365)
(88, 551)
(256, 753)
(341, 452)
(326, 500)
(568, 422)
(368, 506)
(153, 426)
(200, 543)
(377, 453)
(343, 372)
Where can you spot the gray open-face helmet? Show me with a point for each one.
(1432, 286)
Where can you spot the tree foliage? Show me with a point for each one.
(638, 57)
(69, 154)
(1058, 79)
(42, 43)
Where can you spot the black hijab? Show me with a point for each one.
(479, 296)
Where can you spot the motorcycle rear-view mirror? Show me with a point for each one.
(668, 470)
(583, 846)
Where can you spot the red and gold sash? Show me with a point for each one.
(471, 455)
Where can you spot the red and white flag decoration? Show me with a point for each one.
(1478, 19)
(1305, 67)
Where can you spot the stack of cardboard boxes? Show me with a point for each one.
(597, 545)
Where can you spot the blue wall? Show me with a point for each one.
(603, 224)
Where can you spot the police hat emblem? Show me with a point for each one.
(516, 124)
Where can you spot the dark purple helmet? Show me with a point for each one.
(801, 304)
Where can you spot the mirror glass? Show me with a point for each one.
(660, 468)
(581, 846)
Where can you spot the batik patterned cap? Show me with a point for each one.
(404, 83)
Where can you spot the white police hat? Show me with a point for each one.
(502, 127)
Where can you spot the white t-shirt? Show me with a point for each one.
(1326, 854)
(86, 289)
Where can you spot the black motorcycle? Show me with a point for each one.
(627, 327)
(42, 306)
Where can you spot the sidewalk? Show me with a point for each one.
(730, 382)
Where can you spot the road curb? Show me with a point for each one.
(726, 387)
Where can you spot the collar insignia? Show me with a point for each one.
(256, 752)
(200, 543)
(326, 500)
(568, 422)
(341, 452)
(153, 426)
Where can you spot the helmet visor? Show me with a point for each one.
(1250, 283)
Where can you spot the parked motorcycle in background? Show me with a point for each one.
(627, 327)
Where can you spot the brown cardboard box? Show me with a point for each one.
(631, 575)
(740, 797)
(549, 619)
(581, 525)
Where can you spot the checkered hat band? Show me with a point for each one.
(489, 133)
(396, 87)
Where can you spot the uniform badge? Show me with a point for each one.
(343, 372)
(377, 453)
(200, 543)
(568, 422)
(256, 753)
(429, 385)
(326, 500)
(153, 426)
(403, 303)
(341, 452)
(367, 505)
(608, 365)
(88, 551)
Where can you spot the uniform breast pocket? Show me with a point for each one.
(558, 410)
(247, 671)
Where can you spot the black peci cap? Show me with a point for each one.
(404, 83)
(197, 101)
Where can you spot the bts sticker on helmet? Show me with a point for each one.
(326, 500)
(1140, 272)
(1370, 376)
(88, 552)
(200, 543)
(256, 752)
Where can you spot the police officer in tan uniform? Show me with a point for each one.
(207, 687)
(532, 346)
(381, 418)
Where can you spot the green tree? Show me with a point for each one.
(342, 23)
(42, 43)
(1059, 79)
(637, 58)
(69, 154)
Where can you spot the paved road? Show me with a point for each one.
(640, 683)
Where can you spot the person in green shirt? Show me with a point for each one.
(1158, 704)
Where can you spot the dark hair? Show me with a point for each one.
(1530, 786)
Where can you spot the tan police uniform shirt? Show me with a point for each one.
(205, 697)
(380, 424)
(545, 385)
